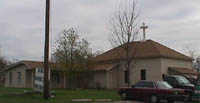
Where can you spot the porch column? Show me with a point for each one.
(64, 80)
(32, 78)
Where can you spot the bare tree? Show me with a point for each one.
(198, 63)
(124, 27)
(193, 53)
(198, 66)
(3, 64)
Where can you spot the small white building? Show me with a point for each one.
(22, 74)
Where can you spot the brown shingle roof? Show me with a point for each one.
(184, 71)
(36, 64)
(39, 64)
(145, 49)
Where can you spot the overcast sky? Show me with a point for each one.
(174, 23)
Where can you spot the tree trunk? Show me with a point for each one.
(128, 74)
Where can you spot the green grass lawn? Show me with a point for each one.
(62, 96)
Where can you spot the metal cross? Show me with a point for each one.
(144, 28)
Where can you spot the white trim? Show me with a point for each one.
(110, 68)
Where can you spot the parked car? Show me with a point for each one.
(192, 80)
(182, 83)
(153, 91)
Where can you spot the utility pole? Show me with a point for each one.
(46, 52)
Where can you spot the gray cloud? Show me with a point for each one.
(174, 23)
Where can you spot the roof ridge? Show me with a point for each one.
(115, 48)
(14, 64)
(172, 50)
(23, 61)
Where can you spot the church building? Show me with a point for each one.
(151, 62)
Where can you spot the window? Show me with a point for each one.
(139, 84)
(145, 84)
(126, 75)
(171, 80)
(39, 78)
(10, 77)
(149, 84)
(182, 80)
(19, 77)
(143, 74)
(162, 84)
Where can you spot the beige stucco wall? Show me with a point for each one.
(100, 79)
(115, 77)
(20, 68)
(28, 78)
(152, 67)
(167, 62)
(112, 80)
(119, 79)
